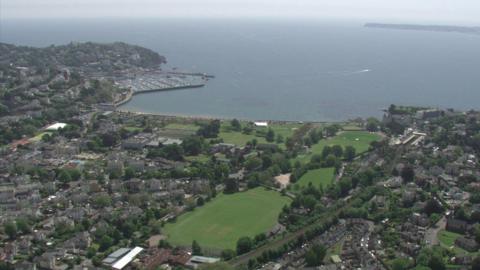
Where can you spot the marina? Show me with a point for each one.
(158, 81)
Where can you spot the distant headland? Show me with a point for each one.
(433, 28)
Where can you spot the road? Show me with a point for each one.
(431, 234)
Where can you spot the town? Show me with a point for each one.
(86, 186)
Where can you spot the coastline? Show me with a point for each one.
(167, 115)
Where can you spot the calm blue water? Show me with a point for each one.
(319, 71)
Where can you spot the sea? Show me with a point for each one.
(272, 69)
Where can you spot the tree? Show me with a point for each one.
(331, 130)
(270, 136)
(231, 186)
(327, 150)
(64, 176)
(196, 249)
(279, 139)
(432, 258)
(433, 206)
(477, 232)
(315, 255)
(337, 150)
(228, 254)
(46, 137)
(372, 124)
(110, 139)
(200, 201)
(253, 163)
(349, 153)
(75, 174)
(10, 229)
(22, 226)
(210, 130)
(289, 143)
(408, 174)
(105, 242)
(216, 266)
(400, 264)
(330, 161)
(476, 263)
(173, 152)
(129, 173)
(236, 125)
(244, 245)
(192, 145)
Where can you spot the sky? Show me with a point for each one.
(434, 11)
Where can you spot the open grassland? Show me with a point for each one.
(359, 139)
(240, 139)
(221, 222)
(319, 177)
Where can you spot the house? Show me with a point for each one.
(467, 243)
(379, 201)
(260, 124)
(25, 265)
(456, 225)
(46, 261)
(115, 256)
(155, 258)
(81, 241)
(55, 126)
(196, 261)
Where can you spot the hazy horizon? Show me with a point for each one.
(406, 11)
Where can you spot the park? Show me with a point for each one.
(221, 222)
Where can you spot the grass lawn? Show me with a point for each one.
(323, 177)
(199, 158)
(39, 136)
(286, 130)
(447, 239)
(334, 250)
(220, 223)
(359, 139)
(131, 129)
(240, 139)
(189, 127)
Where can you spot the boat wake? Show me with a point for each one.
(349, 73)
(359, 71)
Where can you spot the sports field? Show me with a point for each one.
(323, 177)
(359, 139)
(221, 222)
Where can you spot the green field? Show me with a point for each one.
(359, 139)
(131, 129)
(323, 177)
(180, 126)
(240, 139)
(39, 136)
(447, 238)
(221, 222)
